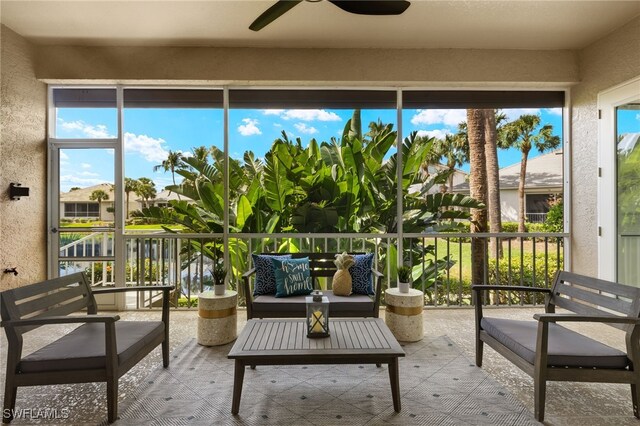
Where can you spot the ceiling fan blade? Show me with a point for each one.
(372, 7)
(273, 13)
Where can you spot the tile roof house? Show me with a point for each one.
(543, 182)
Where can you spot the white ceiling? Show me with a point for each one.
(479, 24)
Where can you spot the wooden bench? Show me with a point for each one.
(549, 352)
(321, 265)
(102, 349)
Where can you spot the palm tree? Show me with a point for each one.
(201, 153)
(174, 160)
(522, 134)
(130, 186)
(99, 195)
(455, 152)
(477, 188)
(145, 189)
(493, 179)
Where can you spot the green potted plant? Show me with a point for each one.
(219, 275)
(404, 278)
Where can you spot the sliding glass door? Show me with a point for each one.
(628, 192)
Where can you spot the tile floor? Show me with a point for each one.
(567, 403)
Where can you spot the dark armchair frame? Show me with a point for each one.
(49, 302)
(585, 296)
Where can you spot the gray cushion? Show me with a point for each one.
(566, 348)
(357, 305)
(83, 348)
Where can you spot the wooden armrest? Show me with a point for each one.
(510, 288)
(249, 273)
(62, 319)
(377, 273)
(586, 318)
(135, 288)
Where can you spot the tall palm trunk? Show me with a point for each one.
(127, 206)
(173, 178)
(478, 190)
(493, 180)
(523, 175)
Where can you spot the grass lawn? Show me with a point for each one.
(461, 254)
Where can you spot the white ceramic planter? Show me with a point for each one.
(218, 289)
(404, 287)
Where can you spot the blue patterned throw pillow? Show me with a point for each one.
(361, 276)
(265, 277)
(293, 276)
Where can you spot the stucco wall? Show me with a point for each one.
(509, 205)
(606, 63)
(305, 66)
(22, 160)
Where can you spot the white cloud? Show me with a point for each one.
(304, 114)
(448, 117)
(302, 128)
(63, 155)
(277, 125)
(249, 128)
(78, 181)
(98, 131)
(149, 148)
(88, 174)
(435, 133)
(85, 165)
(272, 111)
(515, 113)
(553, 111)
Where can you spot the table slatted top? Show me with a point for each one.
(269, 337)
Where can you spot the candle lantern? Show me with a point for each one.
(317, 315)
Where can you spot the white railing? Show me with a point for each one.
(527, 259)
(87, 251)
(536, 217)
(154, 258)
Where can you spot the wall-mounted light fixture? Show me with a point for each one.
(16, 190)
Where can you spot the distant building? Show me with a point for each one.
(543, 182)
(459, 177)
(76, 204)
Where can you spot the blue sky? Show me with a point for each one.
(150, 133)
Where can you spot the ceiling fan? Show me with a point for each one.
(360, 7)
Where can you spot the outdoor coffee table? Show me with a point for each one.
(285, 342)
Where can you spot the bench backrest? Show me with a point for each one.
(592, 296)
(59, 296)
(320, 264)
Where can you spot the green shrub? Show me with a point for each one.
(453, 292)
(535, 227)
(511, 226)
(542, 279)
(555, 218)
(183, 302)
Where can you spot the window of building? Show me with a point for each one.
(81, 210)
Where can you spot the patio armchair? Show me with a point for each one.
(101, 349)
(546, 351)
